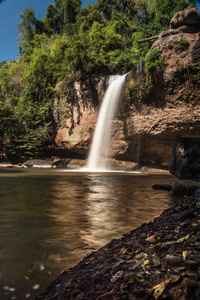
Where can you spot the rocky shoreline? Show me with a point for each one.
(72, 163)
(158, 260)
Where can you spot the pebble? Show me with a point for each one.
(36, 286)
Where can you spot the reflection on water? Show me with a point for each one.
(101, 212)
(49, 220)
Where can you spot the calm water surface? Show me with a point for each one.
(49, 220)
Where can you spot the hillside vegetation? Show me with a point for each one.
(70, 43)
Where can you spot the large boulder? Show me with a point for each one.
(189, 18)
(185, 159)
(38, 163)
(185, 188)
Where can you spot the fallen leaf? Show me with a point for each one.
(123, 250)
(147, 262)
(159, 290)
(178, 241)
(169, 243)
(151, 239)
(184, 254)
(158, 286)
(174, 278)
(183, 238)
(133, 278)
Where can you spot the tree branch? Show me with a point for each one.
(143, 29)
(148, 39)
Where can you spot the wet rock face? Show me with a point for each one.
(75, 114)
(185, 159)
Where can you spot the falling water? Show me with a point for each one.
(101, 140)
(139, 69)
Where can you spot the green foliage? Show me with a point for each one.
(154, 59)
(26, 95)
(197, 78)
(109, 8)
(52, 21)
(156, 14)
(71, 9)
(87, 18)
(147, 88)
(26, 27)
(195, 71)
(182, 45)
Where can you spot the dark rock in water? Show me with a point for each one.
(38, 163)
(60, 164)
(185, 188)
(164, 187)
(185, 159)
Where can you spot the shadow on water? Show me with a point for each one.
(49, 220)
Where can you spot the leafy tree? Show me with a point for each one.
(39, 27)
(4, 62)
(109, 8)
(27, 25)
(68, 9)
(71, 8)
(87, 17)
(52, 21)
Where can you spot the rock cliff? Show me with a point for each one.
(75, 114)
(161, 100)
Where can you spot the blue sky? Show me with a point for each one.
(9, 17)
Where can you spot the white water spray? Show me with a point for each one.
(101, 140)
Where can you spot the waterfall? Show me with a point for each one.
(139, 69)
(101, 139)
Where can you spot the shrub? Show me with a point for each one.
(154, 59)
(182, 45)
